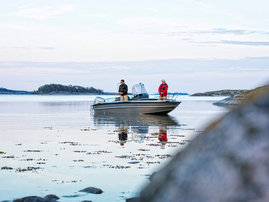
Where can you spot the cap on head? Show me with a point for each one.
(162, 80)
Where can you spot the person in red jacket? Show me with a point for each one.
(162, 136)
(163, 88)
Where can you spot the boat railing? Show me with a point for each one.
(170, 97)
(97, 100)
(114, 99)
(102, 100)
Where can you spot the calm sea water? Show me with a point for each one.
(56, 145)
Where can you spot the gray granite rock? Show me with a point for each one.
(51, 197)
(228, 162)
(48, 198)
(30, 199)
(134, 199)
(92, 190)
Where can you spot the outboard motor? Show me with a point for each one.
(139, 92)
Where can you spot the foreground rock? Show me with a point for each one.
(92, 190)
(48, 198)
(228, 162)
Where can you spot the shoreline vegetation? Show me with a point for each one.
(56, 89)
(63, 89)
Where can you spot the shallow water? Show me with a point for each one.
(55, 145)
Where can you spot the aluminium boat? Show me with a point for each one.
(139, 103)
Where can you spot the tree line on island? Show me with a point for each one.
(63, 89)
(56, 89)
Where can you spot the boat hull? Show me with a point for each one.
(138, 107)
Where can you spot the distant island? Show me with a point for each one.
(62, 89)
(221, 93)
(8, 92)
(54, 89)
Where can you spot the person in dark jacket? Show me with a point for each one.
(123, 136)
(123, 91)
(163, 88)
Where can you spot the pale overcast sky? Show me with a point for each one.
(196, 45)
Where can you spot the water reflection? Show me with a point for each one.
(137, 127)
(162, 136)
(123, 135)
(68, 135)
(134, 120)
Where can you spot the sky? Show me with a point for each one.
(195, 45)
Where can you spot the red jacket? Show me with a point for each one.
(163, 88)
(162, 135)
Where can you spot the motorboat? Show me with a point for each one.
(138, 103)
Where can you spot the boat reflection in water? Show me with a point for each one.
(134, 120)
(136, 127)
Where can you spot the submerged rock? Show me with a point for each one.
(6, 168)
(48, 198)
(30, 199)
(134, 199)
(134, 162)
(51, 197)
(72, 196)
(92, 190)
(228, 162)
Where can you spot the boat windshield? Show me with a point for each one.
(139, 89)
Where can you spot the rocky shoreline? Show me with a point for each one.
(54, 198)
(241, 96)
(221, 93)
(230, 101)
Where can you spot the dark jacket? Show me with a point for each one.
(123, 136)
(123, 89)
